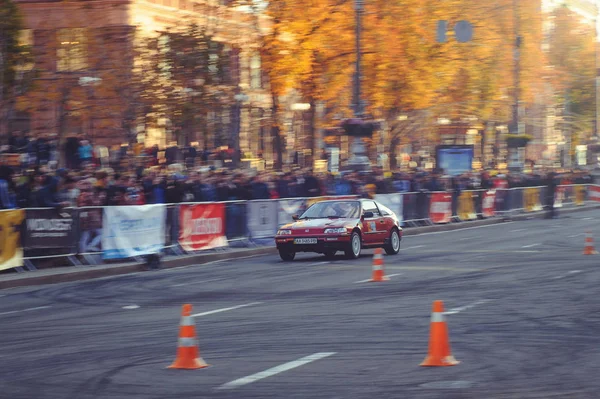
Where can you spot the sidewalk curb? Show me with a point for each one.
(79, 273)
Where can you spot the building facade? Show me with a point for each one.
(85, 52)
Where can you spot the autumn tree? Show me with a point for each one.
(184, 76)
(14, 56)
(572, 64)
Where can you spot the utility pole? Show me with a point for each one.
(358, 108)
(517, 71)
(596, 128)
(358, 159)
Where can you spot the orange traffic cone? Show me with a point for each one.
(187, 349)
(378, 273)
(589, 245)
(439, 345)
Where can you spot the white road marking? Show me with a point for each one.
(576, 235)
(197, 282)
(415, 247)
(529, 246)
(25, 310)
(465, 238)
(586, 219)
(131, 307)
(275, 370)
(388, 276)
(517, 230)
(225, 309)
(567, 274)
(466, 307)
(462, 229)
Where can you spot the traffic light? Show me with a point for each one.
(359, 128)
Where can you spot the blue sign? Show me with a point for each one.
(455, 160)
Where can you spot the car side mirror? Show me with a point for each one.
(368, 215)
(295, 217)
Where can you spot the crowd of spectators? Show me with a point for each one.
(85, 182)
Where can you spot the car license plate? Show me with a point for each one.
(305, 241)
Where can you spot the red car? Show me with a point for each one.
(340, 225)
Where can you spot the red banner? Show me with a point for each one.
(202, 226)
(440, 209)
(594, 193)
(488, 204)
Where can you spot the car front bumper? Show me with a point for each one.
(324, 243)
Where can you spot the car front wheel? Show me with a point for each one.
(286, 255)
(354, 247)
(393, 246)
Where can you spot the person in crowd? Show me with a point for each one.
(551, 185)
(85, 152)
(8, 193)
(91, 201)
(68, 192)
(312, 188)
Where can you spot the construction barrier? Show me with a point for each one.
(532, 200)
(97, 234)
(466, 206)
(580, 192)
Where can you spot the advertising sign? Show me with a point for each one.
(202, 226)
(130, 231)
(455, 159)
(262, 219)
(50, 228)
(11, 252)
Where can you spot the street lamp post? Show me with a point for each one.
(359, 159)
(240, 99)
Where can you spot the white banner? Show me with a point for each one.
(287, 209)
(129, 231)
(393, 201)
(261, 218)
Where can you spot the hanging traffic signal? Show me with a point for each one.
(359, 128)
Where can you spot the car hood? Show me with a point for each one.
(324, 223)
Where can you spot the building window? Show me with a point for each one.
(71, 53)
(255, 72)
(26, 44)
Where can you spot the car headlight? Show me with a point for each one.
(284, 232)
(340, 230)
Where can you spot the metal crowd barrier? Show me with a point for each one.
(76, 233)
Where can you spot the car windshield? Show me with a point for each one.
(338, 209)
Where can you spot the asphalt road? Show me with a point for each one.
(523, 306)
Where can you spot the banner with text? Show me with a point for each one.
(130, 231)
(440, 208)
(262, 219)
(393, 201)
(11, 252)
(50, 228)
(202, 226)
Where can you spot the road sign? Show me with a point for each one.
(442, 28)
(463, 31)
